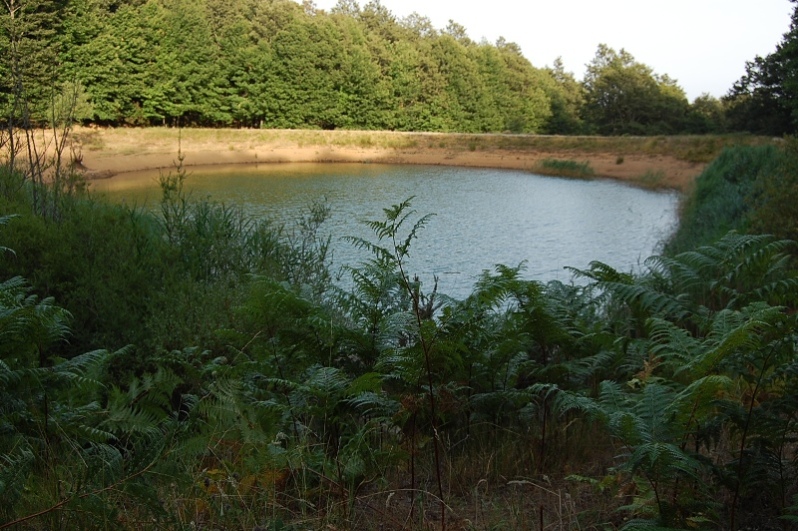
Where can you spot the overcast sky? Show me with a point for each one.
(703, 44)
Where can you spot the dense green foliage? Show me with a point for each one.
(626, 97)
(746, 189)
(765, 99)
(282, 64)
(244, 390)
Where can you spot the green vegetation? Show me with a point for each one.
(763, 101)
(565, 168)
(191, 367)
(652, 179)
(626, 97)
(747, 188)
(282, 64)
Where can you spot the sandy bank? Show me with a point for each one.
(106, 152)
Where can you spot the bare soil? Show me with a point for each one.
(103, 153)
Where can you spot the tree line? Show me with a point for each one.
(282, 64)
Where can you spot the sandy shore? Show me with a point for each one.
(107, 152)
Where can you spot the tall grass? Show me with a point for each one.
(177, 276)
(565, 168)
(721, 199)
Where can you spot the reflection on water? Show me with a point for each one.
(482, 217)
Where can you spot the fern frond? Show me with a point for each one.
(649, 409)
(652, 302)
(382, 255)
(605, 361)
(664, 458)
(374, 405)
(492, 290)
(673, 345)
(8, 377)
(612, 397)
(133, 420)
(697, 402)
(368, 382)
(601, 272)
(734, 332)
(567, 402)
(325, 381)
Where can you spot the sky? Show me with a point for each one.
(703, 44)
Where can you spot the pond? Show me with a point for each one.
(482, 217)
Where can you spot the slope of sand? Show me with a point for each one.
(107, 152)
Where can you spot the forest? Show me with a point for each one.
(194, 368)
(282, 64)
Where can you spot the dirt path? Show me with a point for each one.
(107, 152)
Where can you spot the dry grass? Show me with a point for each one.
(652, 162)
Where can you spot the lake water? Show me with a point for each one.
(482, 217)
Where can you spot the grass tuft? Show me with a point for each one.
(652, 179)
(565, 168)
